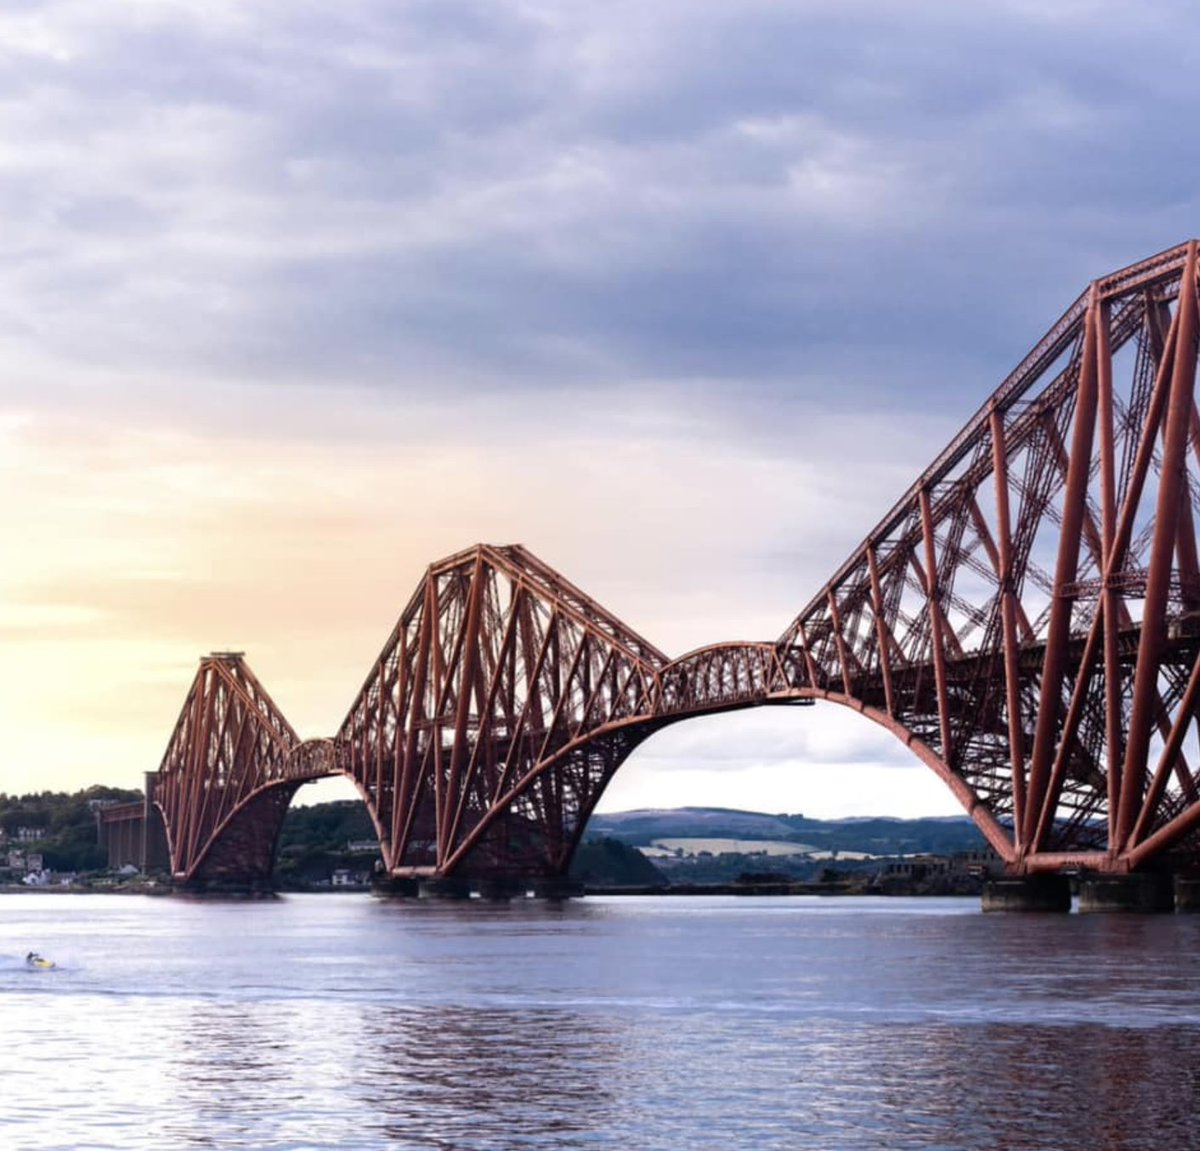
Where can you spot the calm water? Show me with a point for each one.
(343, 1022)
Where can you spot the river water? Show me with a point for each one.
(342, 1021)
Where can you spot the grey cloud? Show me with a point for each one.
(898, 200)
(826, 735)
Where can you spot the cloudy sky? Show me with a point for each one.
(296, 297)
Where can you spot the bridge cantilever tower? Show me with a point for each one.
(230, 770)
(501, 706)
(1026, 619)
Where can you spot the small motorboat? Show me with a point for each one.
(34, 960)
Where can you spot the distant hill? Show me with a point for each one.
(876, 836)
(317, 839)
(609, 862)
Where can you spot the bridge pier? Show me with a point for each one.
(443, 887)
(225, 888)
(390, 887)
(1150, 891)
(499, 889)
(1048, 892)
(493, 889)
(555, 887)
(1187, 893)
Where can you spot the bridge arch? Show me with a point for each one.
(997, 835)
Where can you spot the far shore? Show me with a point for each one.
(678, 890)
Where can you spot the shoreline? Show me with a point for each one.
(682, 890)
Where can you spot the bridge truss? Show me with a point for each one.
(1026, 619)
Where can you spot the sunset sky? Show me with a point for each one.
(298, 297)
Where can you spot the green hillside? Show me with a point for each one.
(876, 836)
(57, 825)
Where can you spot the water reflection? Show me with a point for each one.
(1029, 1088)
(459, 1077)
(232, 1070)
(331, 1023)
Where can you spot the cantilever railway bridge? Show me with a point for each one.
(1026, 619)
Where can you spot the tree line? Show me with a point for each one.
(57, 825)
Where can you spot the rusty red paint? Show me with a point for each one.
(1026, 619)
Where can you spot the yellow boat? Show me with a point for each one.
(33, 959)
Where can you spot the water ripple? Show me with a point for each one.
(340, 1022)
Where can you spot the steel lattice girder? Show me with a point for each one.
(501, 706)
(1027, 613)
(1026, 619)
(230, 769)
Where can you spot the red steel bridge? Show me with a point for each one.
(1026, 619)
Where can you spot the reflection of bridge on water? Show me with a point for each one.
(1026, 619)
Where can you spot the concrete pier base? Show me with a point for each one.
(554, 887)
(387, 887)
(499, 890)
(224, 889)
(1187, 893)
(443, 887)
(1140, 891)
(1028, 893)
